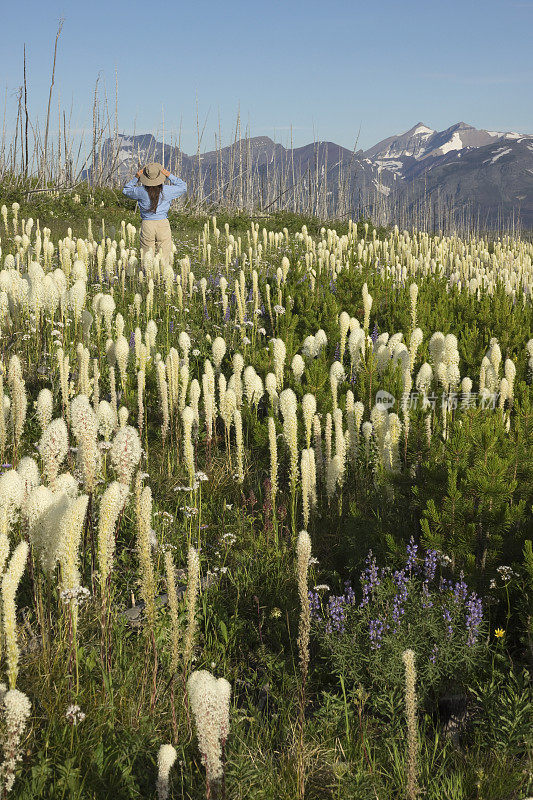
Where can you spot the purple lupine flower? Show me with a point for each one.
(349, 593)
(375, 333)
(412, 549)
(132, 340)
(376, 628)
(338, 352)
(460, 590)
(369, 578)
(250, 295)
(447, 617)
(434, 652)
(336, 614)
(314, 604)
(430, 565)
(474, 617)
(227, 314)
(400, 578)
(171, 325)
(206, 313)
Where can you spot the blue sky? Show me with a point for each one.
(330, 69)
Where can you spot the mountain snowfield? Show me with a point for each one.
(487, 175)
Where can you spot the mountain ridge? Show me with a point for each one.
(487, 173)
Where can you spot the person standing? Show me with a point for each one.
(154, 199)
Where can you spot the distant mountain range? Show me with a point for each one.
(461, 173)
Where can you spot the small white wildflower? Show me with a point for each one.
(74, 715)
(78, 594)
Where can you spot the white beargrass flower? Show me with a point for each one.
(308, 472)
(466, 390)
(106, 308)
(303, 554)
(309, 411)
(510, 374)
(367, 429)
(436, 348)
(413, 294)
(111, 505)
(10, 582)
(273, 448)
(188, 450)
(298, 367)
(125, 453)
(66, 484)
(210, 702)
(19, 406)
(29, 472)
(106, 419)
(122, 354)
(334, 472)
(237, 419)
(123, 415)
(193, 585)
(367, 306)
(356, 346)
(271, 387)
(218, 349)
(12, 493)
(344, 326)
(414, 343)
(336, 376)
(85, 428)
(423, 378)
(44, 407)
(250, 378)
(288, 406)
(165, 760)
(17, 709)
(309, 347)
(279, 355)
(70, 532)
(76, 298)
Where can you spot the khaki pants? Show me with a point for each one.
(156, 236)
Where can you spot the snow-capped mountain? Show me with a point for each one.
(423, 142)
(480, 173)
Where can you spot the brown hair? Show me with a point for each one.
(154, 193)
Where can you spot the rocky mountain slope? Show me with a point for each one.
(464, 171)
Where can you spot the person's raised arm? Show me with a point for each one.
(176, 186)
(131, 189)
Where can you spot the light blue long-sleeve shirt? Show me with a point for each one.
(174, 189)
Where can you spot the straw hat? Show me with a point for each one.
(152, 175)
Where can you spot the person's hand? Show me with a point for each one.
(165, 172)
(138, 173)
